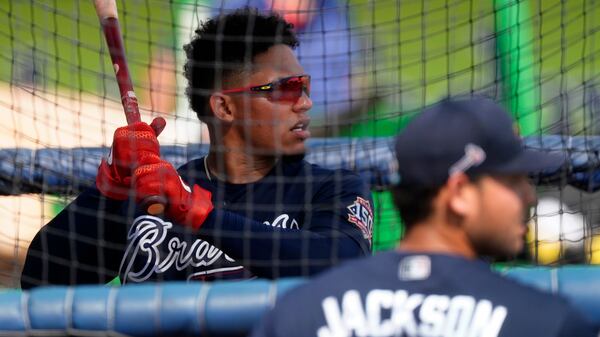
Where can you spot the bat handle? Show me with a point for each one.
(154, 205)
(107, 12)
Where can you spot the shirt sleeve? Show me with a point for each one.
(344, 202)
(82, 244)
(337, 227)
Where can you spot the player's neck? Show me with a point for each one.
(434, 237)
(237, 167)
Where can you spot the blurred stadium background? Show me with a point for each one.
(375, 64)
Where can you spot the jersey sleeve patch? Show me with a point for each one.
(361, 215)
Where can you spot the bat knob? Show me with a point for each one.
(154, 205)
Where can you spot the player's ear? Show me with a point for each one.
(222, 107)
(460, 194)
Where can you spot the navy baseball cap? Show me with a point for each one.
(475, 136)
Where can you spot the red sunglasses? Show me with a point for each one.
(288, 89)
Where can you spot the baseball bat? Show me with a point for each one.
(109, 20)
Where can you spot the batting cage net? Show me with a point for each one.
(373, 65)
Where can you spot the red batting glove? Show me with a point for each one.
(131, 145)
(184, 205)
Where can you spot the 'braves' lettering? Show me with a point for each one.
(145, 238)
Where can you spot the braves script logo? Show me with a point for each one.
(145, 238)
(361, 215)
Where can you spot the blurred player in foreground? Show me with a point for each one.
(252, 207)
(463, 193)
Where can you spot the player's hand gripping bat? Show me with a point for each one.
(107, 13)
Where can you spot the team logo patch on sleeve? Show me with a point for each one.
(360, 214)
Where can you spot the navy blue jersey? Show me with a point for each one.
(399, 294)
(297, 220)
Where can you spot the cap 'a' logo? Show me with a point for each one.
(474, 156)
(361, 215)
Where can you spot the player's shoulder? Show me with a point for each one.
(318, 171)
(364, 272)
(509, 285)
(446, 271)
(192, 167)
(483, 278)
(194, 172)
(359, 275)
(514, 293)
(527, 293)
(326, 182)
(558, 318)
(337, 179)
(299, 312)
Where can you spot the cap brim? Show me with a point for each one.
(535, 162)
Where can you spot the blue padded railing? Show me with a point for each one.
(69, 170)
(216, 309)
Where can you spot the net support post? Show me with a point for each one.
(515, 57)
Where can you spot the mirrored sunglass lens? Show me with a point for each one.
(289, 89)
(306, 85)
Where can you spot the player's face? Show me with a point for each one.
(499, 225)
(274, 123)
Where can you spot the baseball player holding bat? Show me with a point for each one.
(252, 207)
(463, 193)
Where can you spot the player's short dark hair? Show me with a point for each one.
(224, 44)
(414, 203)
